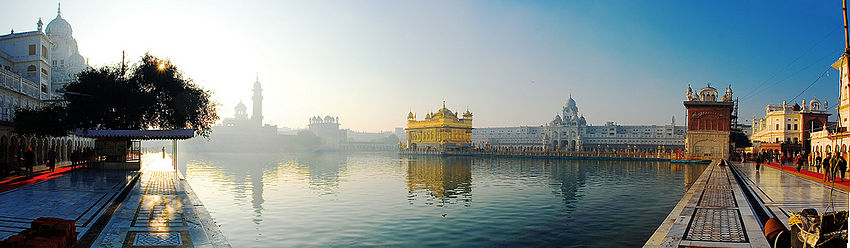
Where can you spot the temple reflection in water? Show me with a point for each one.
(447, 179)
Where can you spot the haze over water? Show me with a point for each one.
(383, 199)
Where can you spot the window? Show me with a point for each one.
(795, 126)
(32, 49)
(62, 62)
(43, 71)
(44, 52)
(31, 68)
(44, 88)
(777, 127)
(788, 126)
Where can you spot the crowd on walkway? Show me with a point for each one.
(833, 167)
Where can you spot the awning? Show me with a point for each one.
(170, 134)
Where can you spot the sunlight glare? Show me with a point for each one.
(156, 162)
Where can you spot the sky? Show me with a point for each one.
(509, 62)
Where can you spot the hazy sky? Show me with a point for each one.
(510, 62)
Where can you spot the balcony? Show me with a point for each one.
(16, 83)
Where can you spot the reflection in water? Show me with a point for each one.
(440, 178)
(378, 199)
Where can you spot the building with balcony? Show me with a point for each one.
(786, 128)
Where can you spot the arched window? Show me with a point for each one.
(31, 68)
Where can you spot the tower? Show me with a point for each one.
(257, 98)
(709, 124)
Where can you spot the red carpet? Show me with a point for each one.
(811, 175)
(24, 181)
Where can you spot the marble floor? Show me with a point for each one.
(81, 195)
(783, 192)
(161, 211)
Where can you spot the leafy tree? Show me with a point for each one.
(150, 94)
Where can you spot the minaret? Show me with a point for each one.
(257, 109)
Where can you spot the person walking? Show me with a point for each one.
(759, 159)
(29, 161)
(51, 159)
(798, 160)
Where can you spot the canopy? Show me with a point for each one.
(170, 134)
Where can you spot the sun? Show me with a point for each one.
(161, 66)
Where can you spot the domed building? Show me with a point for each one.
(66, 61)
(569, 131)
(439, 131)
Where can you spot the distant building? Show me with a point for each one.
(440, 130)
(709, 123)
(327, 129)
(786, 128)
(569, 131)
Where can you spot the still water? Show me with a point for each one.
(384, 199)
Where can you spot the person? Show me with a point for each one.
(833, 166)
(842, 166)
(163, 152)
(759, 159)
(29, 161)
(798, 160)
(826, 162)
(817, 162)
(51, 159)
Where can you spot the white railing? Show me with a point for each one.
(19, 84)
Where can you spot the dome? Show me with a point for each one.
(571, 102)
(58, 26)
(708, 93)
(814, 104)
(241, 107)
(467, 114)
(76, 60)
(445, 112)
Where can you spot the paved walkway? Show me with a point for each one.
(784, 191)
(161, 211)
(80, 195)
(713, 213)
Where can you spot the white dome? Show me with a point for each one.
(59, 27)
(76, 60)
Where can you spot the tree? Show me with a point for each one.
(152, 94)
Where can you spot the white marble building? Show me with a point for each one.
(569, 131)
(65, 58)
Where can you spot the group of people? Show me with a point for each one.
(25, 159)
(833, 167)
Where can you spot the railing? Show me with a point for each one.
(19, 84)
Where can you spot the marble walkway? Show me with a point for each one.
(782, 191)
(713, 213)
(80, 195)
(161, 211)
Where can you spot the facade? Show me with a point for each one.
(786, 128)
(826, 140)
(569, 131)
(26, 76)
(327, 129)
(709, 122)
(440, 130)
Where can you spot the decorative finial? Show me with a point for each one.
(258, 76)
(13, 31)
(709, 84)
(444, 103)
(40, 24)
(59, 10)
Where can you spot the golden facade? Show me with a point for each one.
(441, 130)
